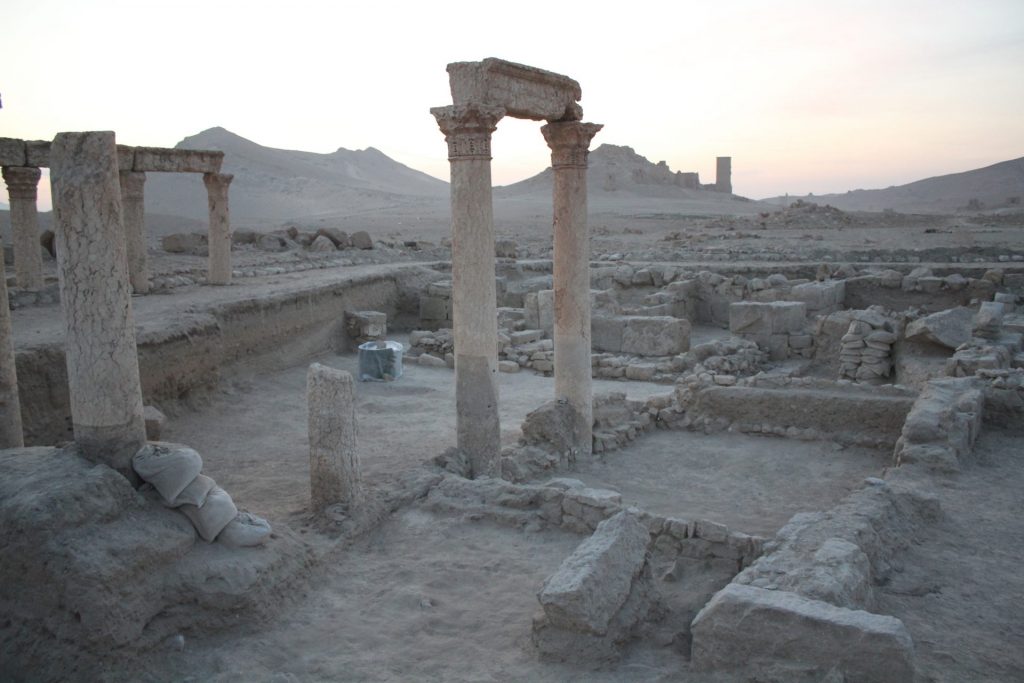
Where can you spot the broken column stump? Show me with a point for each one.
(364, 326)
(333, 462)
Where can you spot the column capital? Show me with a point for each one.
(217, 181)
(21, 181)
(132, 183)
(569, 142)
(467, 129)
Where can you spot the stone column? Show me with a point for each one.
(569, 142)
(723, 174)
(92, 269)
(467, 130)
(22, 182)
(10, 405)
(220, 228)
(333, 460)
(133, 213)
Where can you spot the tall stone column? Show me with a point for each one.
(569, 142)
(10, 405)
(133, 213)
(220, 228)
(467, 130)
(92, 269)
(22, 182)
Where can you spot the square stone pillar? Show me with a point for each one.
(99, 330)
(22, 183)
(133, 214)
(569, 142)
(11, 435)
(333, 457)
(467, 129)
(220, 228)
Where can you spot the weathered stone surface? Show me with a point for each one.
(12, 152)
(754, 630)
(322, 244)
(22, 185)
(217, 184)
(11, 435)
(776, 317)
(37, 153)
(133, 216)
(655, 336)
(552, 426)
(194, 243)
(92, 268)
(340, 238)
(333, 459)
(522, 91)
(949, 328)
(177, 160)
(361, 240)
(592, 584)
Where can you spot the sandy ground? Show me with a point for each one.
(750, 483)
(961, 590)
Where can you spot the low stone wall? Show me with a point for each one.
(797, 408)
(942, 426)
(187, 355)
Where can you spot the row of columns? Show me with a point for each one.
(467, 129)
(22, 183)
(98, 215)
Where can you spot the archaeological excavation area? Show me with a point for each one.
(626, 446)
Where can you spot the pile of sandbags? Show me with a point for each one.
(866, 351)
(175, 472)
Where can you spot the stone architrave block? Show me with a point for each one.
(593, 583)
(606, 333)
(522, 91)
(162, 159)
(125, 158)
(755, 629)
(655, 336)
(37, 153)
(12, 152)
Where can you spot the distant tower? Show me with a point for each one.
(723, 174)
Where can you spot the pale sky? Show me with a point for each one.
(821, 96)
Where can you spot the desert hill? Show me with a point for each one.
(620, 178)
(272, 185)
(992, 187)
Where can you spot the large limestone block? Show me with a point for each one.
(748, 317)
(655, 336)
(949, 328)
(37, 153)
(163, 159)
(820, 296)
(592, 584)
(523, 91)
(606, 333)
(12, 152)
(759, 630)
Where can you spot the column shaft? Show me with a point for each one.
(22, 183)
(220, 228)
(333, 458)
(99, 341)
(133, 213)
(468, 129)
(10, 405)
(569, 142)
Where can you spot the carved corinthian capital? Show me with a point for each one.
(467, 129)
(21, 181)
(569, 142)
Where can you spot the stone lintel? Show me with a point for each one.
(167, 160)
(12, 152)
(37, 153)
(523, 91)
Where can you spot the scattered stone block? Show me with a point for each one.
(599, 595)
(757, 630)
(155, 421)
(361, 240)
(322, 244)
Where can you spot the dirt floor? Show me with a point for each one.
(961, 589)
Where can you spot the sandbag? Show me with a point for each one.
(169, 467)
(213, 515)
(195, 493)
(244, 531)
